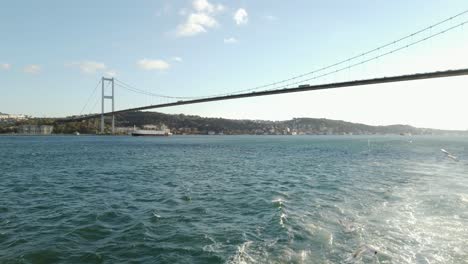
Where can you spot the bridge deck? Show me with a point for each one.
(301, 88)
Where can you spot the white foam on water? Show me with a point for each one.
(294, 256)
(330, 239)
(279, 202)
(364, 250)
(347, 225)
(282, 219)
(304, 254)
(241, 256)
(156, 215)
(463, 198)
(423, 225)
(214, 247)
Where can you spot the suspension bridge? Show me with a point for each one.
(298, 83)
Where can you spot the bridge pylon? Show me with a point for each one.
(111, 97)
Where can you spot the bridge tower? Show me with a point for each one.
(111, 97)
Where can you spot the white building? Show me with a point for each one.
(36, 130)
(124, 130)
(12, 117)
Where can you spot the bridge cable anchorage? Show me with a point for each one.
(373, 58)
(87, 102)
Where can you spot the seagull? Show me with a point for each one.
(449, 155)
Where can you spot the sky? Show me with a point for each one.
(54, 53)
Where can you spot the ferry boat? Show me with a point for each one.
(151, 131)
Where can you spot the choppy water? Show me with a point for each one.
(233, 199)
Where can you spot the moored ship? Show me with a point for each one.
(152, 131)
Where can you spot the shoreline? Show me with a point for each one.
(204, 135)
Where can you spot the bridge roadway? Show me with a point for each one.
(300, 88)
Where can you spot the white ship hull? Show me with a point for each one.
(151, 133)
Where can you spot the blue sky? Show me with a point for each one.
(53, 54)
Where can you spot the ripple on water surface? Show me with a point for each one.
(233, 199)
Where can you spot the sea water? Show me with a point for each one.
(233, 199)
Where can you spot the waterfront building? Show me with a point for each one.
(9, 117)
(124, 130)
(36, 129)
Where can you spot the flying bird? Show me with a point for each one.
(449, 155)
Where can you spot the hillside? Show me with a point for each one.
(191, 124)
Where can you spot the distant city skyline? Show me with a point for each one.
(54, 54)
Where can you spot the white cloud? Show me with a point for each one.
(241, 16)
(5, 66)
(230, 40)
(196, 23)
(32, 69)
(204, 6)
(178, 59)
(89, 67)
(200, 19)
(147, 64)
(110, 73)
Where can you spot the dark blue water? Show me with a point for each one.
(233, 199)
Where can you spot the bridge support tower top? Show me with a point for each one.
(111, 97)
